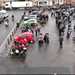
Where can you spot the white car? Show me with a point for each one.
(33, 17)
(26, 18)
(4, 13)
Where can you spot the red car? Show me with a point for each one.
(23, 39)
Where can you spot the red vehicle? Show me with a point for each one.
(23, 39)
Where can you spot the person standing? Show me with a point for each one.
(12, 17)
(69, 31)
(61, 40)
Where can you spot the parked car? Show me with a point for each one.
(26, 18)
(30, 23)
(4, 14)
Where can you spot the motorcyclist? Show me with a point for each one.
(46, 38)
(40, 39)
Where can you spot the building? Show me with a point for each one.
(35, 2)
(40, 2)
(57, 2)
(2, 2)
(51, 2)
(48, 2)
(69, 2)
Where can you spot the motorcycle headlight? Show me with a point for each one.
(24, 48)
(17, 51)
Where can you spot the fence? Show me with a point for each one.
(7, 42)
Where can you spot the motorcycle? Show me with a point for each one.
(68, 34)
(40, 42)
(18, 52)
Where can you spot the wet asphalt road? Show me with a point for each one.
(45, 60)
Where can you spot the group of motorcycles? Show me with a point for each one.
(22, 43)
(19, 49)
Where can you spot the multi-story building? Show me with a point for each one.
(2, 2)
(58, 2)
(48, 2)
(70, 2)
(35, 2)
(41, 2)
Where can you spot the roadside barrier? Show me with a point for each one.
(7, 42)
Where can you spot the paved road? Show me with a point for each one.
(5, 31)
(45, 60)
